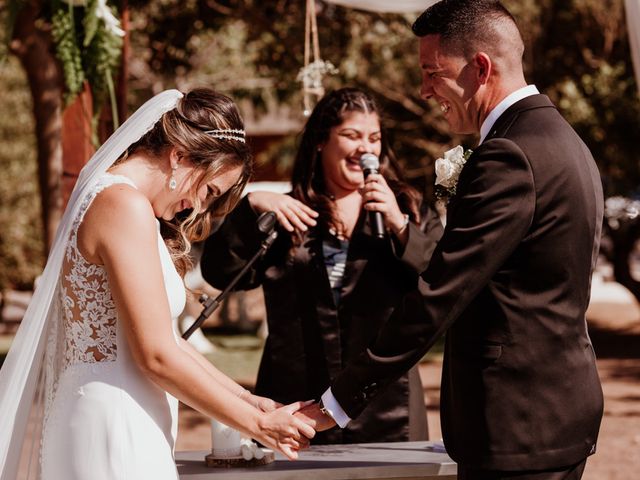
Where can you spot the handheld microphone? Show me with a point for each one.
(370, 164)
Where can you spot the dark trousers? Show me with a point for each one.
(572, 472)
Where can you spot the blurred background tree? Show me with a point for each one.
(577, 53)
(21, 249)
(580, 57)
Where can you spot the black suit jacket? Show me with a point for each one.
(311, 339)
(509, 282)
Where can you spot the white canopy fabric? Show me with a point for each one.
(386, 6)
(632, 8)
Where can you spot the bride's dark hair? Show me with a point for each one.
(185, 128)
(308, 182)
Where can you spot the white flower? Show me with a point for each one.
(311, 75)
(448, 168)
(111, 23)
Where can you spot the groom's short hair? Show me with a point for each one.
(465, 26)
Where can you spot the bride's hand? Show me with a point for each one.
(291, 213)
(281, 430)
(263, 404)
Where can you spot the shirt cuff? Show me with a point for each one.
(335, 410)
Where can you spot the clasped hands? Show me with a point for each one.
(309, 419)
(313, 416)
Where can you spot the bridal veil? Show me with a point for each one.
(24, 378)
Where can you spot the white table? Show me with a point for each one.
(402, 460)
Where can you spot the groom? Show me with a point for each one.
(509, 281)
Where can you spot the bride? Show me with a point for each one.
(90, 387)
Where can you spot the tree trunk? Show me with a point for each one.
(34, 47)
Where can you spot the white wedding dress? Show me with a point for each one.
(103, 419)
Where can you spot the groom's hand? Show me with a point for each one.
(315, 417)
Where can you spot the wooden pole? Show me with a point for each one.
(77, 147)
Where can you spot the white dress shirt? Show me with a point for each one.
(499, 109)
(329, 401)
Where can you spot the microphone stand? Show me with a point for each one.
(210, 304)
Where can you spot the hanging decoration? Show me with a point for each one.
(88, 41)
(312, 73)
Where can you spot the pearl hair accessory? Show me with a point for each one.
(228, 134)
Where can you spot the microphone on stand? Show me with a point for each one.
(370, 164)
(266, 224)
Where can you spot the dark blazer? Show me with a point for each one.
(310, 337)
(509, 282)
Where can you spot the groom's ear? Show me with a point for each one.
(483, 65)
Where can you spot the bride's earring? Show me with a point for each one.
(172, 180)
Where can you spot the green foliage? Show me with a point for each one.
(87, 49)
(21, 243)
(103, 51)
(68, 51)
(91, 22)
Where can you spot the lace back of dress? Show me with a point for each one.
(82, 327)
(89, 313)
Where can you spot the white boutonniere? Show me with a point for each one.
(448, 170)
